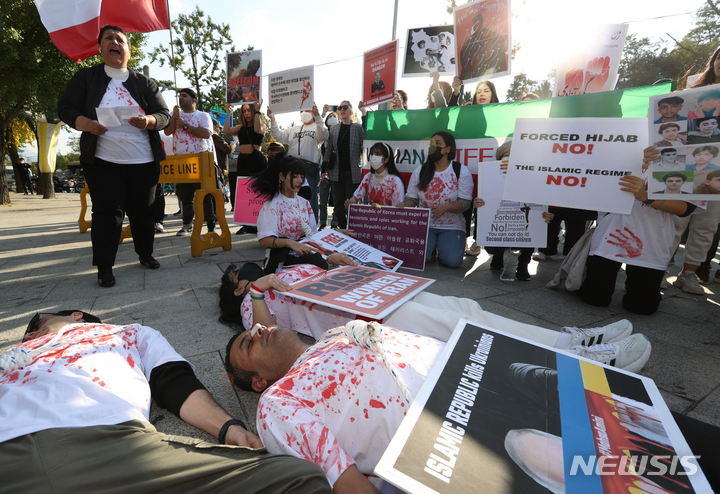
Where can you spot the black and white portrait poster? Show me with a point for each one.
(430, 49)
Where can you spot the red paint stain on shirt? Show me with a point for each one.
(330, 391)
(130, 361)
(376, 404)
(366, 413)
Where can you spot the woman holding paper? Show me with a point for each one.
(383, 185)
(121, 165)
(446, 187)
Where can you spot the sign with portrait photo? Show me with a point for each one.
(482, 40)
(430, 49)
(379, 66)
(292, 90)
(244, 74)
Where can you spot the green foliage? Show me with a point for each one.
(522, 84)
(199, 48)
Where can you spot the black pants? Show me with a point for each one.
(159, 206)
(115, 190)
(247, 166)
(186, 193)
(642, 285)
(342, 190)
(574, 228)
(524, 257)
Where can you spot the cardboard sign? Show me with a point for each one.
(493, 400)
(506, 223)
(430, 49)
(328, 241)
(483, 41)
(575, 162)
(400, 232)
(244, 75)
(292, 90)
(247, 204)
(364, 291)
(379, 74)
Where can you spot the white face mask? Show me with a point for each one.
(375, 161)
(306, 117)
(332, 121)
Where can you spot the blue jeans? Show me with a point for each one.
(450, 245)
(314, 183)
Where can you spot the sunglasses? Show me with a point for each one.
(36, 319)
(344, 107)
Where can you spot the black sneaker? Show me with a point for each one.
(497, 261)
(105, 277)
(521, 273)
(149, 262)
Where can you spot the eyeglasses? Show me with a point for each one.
(344, 107)
(36, 319)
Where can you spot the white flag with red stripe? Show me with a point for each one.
(74, 24)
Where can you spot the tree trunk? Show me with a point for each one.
(45, 185)
(4, 192)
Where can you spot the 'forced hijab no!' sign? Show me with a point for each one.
(575, 162)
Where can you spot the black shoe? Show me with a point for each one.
(703, 272)
(149, 262)
(521, 273)
(497, 261)
(105, 277)
(179, 213)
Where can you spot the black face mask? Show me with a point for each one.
(435, 153)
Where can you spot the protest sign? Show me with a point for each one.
(493, 400)
(292, 90)
(430, 49)
(379, 74)
(244, 73)
(575, 162)
(400, 232)
(360, 290)
(592, 66)
(247, 204)
(685, 126)
(506, 223)
(328, 241)
(483, 41)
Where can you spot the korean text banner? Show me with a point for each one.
(292, 90)
(379, 74)
(430, 49)
(244, 74)
(592, 66)
(483, 41)
(500, 414)
(575, 162)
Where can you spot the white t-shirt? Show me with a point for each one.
(96, 381)
(186, 143)
(339, 406)
(277, 218)
(444, 188)
(389, 192)
(299, 315)
(121, 147)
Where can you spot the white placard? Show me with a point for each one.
(292, 90)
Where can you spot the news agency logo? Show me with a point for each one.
(634, 465)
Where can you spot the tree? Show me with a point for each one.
(199, 50)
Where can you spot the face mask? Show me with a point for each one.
(332, 121)
(434, 153)
(375, 162)
(306, 117)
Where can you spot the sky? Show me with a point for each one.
(332, 35)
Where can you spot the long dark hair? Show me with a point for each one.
(387, 152)
(427, 171)
(267, 183)
(708, 75)
(252, 115)
(493, 99)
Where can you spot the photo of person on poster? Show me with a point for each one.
(674, 181)
(708, 184)
(669, 109)
(703, 130)
(672, 135)
(378, 85)
(669, 160)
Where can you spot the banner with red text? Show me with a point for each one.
(379, 68)
(575, 162)
(328, 241)
(244, 74)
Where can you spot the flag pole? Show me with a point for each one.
(172, 49)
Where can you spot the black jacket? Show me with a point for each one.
(85, 91)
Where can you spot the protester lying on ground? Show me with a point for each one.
(75, 401)
(310, 387)
(383, 185)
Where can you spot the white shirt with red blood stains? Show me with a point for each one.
(339, 406)
(96, 381)
(186, 143)
(277, 218)
(388, 192)
(299, 315)
(444, 188)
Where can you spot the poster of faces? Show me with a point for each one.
(428, 50)
(685, 126)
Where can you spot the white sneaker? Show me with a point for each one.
(159, 228)
(539, 256)
(594, 336)
(630, 354)
(185, 230)
(689, 282)
(664, 284)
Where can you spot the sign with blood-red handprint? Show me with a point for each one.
(592, 68)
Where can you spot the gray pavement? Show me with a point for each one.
(45, 265)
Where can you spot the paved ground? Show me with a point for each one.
(45, 265)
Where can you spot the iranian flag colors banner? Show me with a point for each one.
(480, 129)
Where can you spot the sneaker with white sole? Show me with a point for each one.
(159, 228)
(185, 230)
(539, 256)
(630, 354)
(689, 283)
(664, 284)
(594, 336)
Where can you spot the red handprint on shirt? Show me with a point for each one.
(630, 243)
(596, 75)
